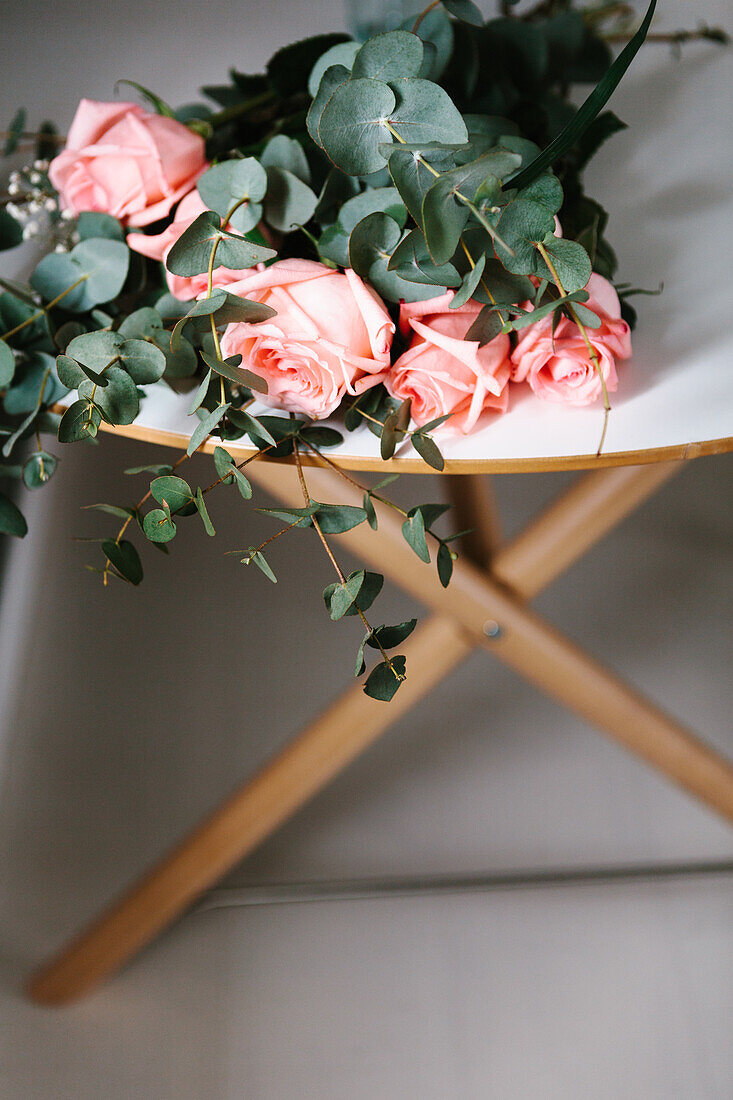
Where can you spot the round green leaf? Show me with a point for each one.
(290, 202)
(158, 527)
(341, 54)
(353, 125)
(38, 469)
(119, 401)
(173, 491)
(389, 56)
(7, 365)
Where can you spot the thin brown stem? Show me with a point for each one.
(42, 312)
(421, 16)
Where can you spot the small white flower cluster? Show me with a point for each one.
(35, 206)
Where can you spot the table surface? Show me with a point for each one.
(668, 212)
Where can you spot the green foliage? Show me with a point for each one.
(429, 157)
(12, 521)
(94, 271)
(231, 182)
(191, 253)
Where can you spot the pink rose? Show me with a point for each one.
(124, 161)
(559, 367)
(444, 373)
(158, 245)
(331, 335)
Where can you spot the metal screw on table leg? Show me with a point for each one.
(492, 629)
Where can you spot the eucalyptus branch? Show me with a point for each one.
(365, 489)
(128, 521)
(44, 309)
(339, 572)
(586, 339)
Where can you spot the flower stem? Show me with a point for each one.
(586, 339)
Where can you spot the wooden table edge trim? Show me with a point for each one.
(673, 453)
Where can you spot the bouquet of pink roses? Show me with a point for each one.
(392, 233)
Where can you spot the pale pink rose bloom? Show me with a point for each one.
(444, 373)
(559, 368)
(158, 245)
(331, 336)
(121, 160)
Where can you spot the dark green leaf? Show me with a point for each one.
(125, 559)
(229, 368)
(352, 125)
(290, 202)
(159, 105)
(466, 11)
(391, 636)
(15, 132)
(592, 106)
(12, 521)
(93, 223)
(205, 518)
(382, 683)
(428, 450)
(413, 530)
(231, 181)
(334, 519)
(80, 421)
(191, 253)
(445, 564)
(205, 428)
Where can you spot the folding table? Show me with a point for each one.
(675, 403)
(485, 605)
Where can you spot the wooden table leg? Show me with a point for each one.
(596, 504)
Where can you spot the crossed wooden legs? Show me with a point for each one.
(480, 608)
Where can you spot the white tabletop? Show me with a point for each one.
(666, 184)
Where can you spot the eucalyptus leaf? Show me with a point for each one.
(353, 124)
(125, 559)
(389, 56)
(285, 152)
(7, 365)
(290, 203)
(12, 520)
(191, 253)
(382, 683)
(204, 428)
(80, 421)
(158, 526)
(413, 530)
(202, 510)
(225, 184)
(38, 469)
